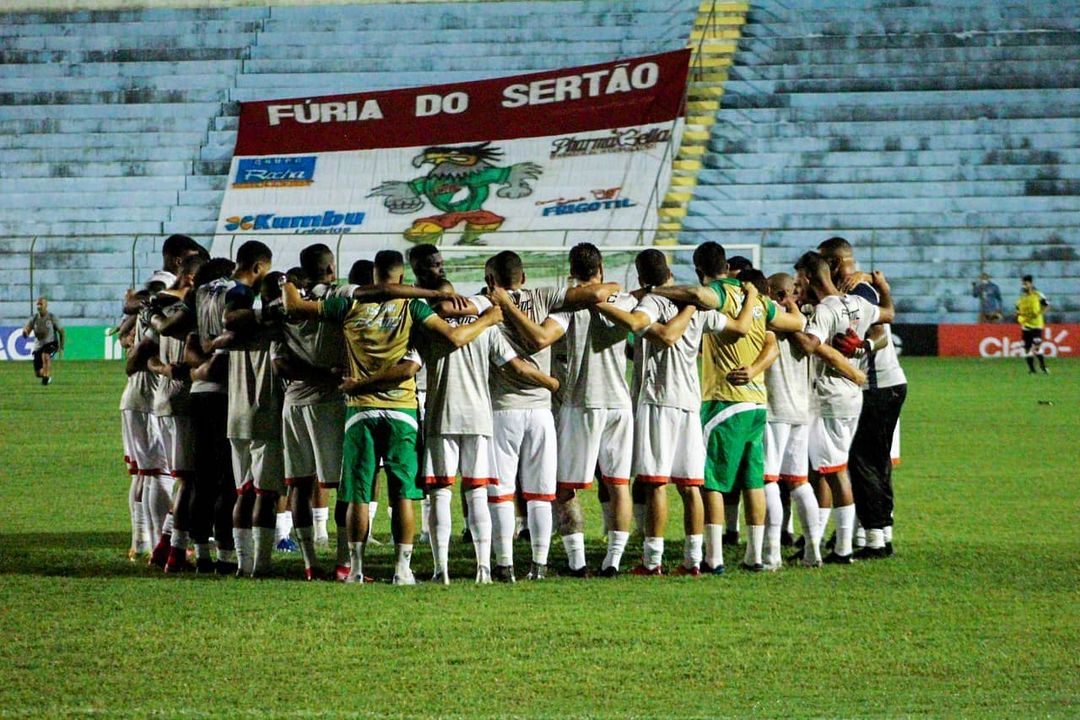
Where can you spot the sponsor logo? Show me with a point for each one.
(602, 199)
(275, 172)
(612, 141)
(13, 346)
(330, 221)
(1052, 345)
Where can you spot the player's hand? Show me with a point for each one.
(460, 303)
(848, 284)
(493, 314)
(739, 376)
(751, 291)
(500, 297)
(879, 281)
(848, 343)
(351, 386)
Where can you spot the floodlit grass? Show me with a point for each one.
(977, 615)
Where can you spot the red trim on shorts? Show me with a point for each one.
(794, 479)
(475, 482)
(260, 491)
(688, 482)
(245, 488)
(895, 461)
(614, 480)
(127, 459)
(538, 497)
(772, 478)
(500, 498)
(654, 479)
(574, 486)
(439, 480)
(832, 469)
(152, 471)
(133, 470)
(290, 481)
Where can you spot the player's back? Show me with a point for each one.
(595, 373)
(838, 396)
(376, 338)
(721, 354)
(458, 398)
(509, 393)
(882, 367)
(171, 396)
(317, 344)
(787, 383)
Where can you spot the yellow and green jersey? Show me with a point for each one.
(1029, 310)
(377, 338)
(721, 354)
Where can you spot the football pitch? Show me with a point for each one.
(976, 615)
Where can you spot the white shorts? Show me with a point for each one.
(786, 455)
(445, 456)
(525, 451)
(138, 444)
(591, 436)
(156, 457)
(830, 442)
(258, 464)
(668, 446)
(894, 453)
(176, 438)
(312, 436)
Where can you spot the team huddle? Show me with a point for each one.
(252, 393)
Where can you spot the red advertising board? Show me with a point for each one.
(989, 340)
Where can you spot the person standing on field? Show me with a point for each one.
(1029, 313)
(989, 294)
(48, 339)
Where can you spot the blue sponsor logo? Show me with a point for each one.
(275, 172)
(330, 221)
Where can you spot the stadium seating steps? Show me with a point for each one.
(941, 139)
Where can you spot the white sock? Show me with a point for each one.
(639, 518)
(356, 560)
(774, 521)
(888, 533)
(605, 513)
(616, 546)
(860, 533)
(225, 555)
(731, 517)
(180, 539)
(425, 515)
(480, 524)
(754, 543)
(845, 528)
(157, 496)
(520, 523)
(264, 549)
(306, 536)
(146, 543)
(714, 545)
(245, 549)
(540, 523)
(167, 526)
(282, 526)
(653, 552)
(137, 524)
(823, 514)
(440, 527)
(574, 543)
(502, 532)
(403, 567)
(806, 505)
(875, 539)
(372, 511)
(202, 551)
(319, 519)
(692, 551)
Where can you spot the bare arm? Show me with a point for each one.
(137, 359)
(886, 311)
(176, 325)
(699, 296)
(838, 362)
(669, 333)
(293, 368)
(635, 322)
(133, 300)
(740, 324)
(583, 296)
(535, 336)
(387, 379)
(462, 335)
(398, 291)
(215, 369)
(790, 321)
(531, 374)
(296, 307)
(766, 357)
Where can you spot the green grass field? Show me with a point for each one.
(977, 615)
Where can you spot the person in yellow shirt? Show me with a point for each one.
(1029, 313)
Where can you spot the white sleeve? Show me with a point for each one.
(412, 355)
(873, 311)
(481, 302)
(713, 321)
(499, 351)
(562, 319)
(650, 307)
(821, 323)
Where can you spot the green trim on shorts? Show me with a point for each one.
(373, 434)
(734, 446)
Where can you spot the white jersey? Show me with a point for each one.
(665, 376)
(838, 397)
(595, 373)
(509, 393)
(317, 344)
(209, 306)
(787, 383)
(139, 391)
(882, 368)
(171, 397)
(458, 379)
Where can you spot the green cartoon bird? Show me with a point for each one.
(458, 184)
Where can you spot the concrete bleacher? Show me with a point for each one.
(941, 139)
(117, 126)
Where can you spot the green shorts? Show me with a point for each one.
(734, 445)
(373, 434)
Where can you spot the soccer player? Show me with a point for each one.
(48, 339)
(668, 443)
(381, 424)
(525, 441)
(1029, 313)
(458, 430)
(595, 421)
(733, 416)
(870, 462)
(839, 398)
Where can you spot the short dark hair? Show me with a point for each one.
(362, 272)
(652, 267)
(298, 276)
(253, 252)
(192, 263)
(835, 246)
(270, 287)
(737, 263)
(507, 268)
(386, 261)
(756, 278)
(585, 261)
(421, 252)
(710, 259)
(177, 245)
(214, 269)
(1028, 278)
(814, 266)
(316, 260)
